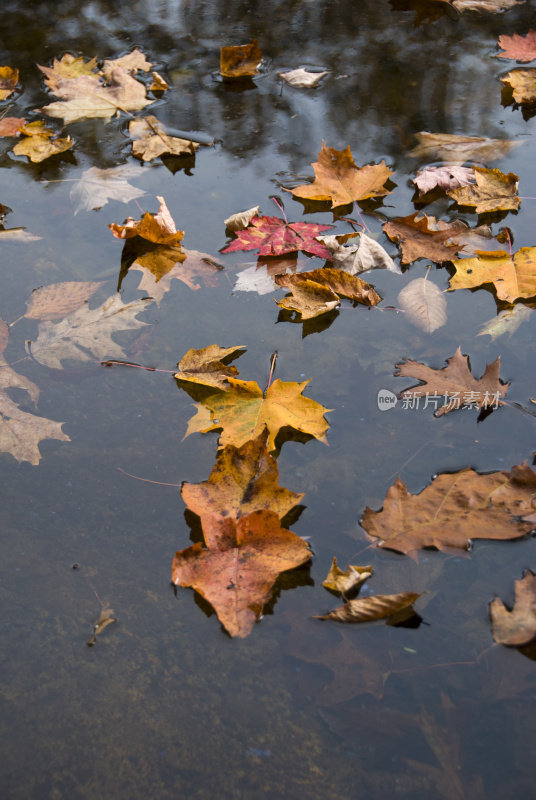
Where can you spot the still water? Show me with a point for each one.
(165, 704)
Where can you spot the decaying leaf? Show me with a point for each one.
(59, 299)
(273, 236)
(513, 276)
(9, 126)
(518, 626)
(356, 258)
(506, 321)
(158, 84)
(523, 84)
(419, 237)
(86, 334)
(244, 479)
(452, 147)
(9, 77)
(339, 180)
(494, 191)
(519, 48)
(152, 141)
(424, 304)
(162, 264)
(236, 571)
(158, 228)
(455, 509)
(96, 186)
(302, 78)
(240, 220)
(320, 290)
(449, 176)
(106, 618)
(344, 581)
(39, 142)
(240, 61)
(454, 385)
(370, 609)
(207, 367)
(243, 412)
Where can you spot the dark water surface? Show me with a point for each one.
(165, 704)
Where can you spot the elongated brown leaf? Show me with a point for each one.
(420, 237)
(370, 609)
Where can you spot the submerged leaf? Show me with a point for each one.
(59, 299)
(523, 84)
(96, 186)
(452, 147)
(507, 321)
(424, 304)
(302, 78)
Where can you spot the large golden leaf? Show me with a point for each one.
(243, 412)
(523, 84)
(494, 191)
(513, 276)
(39, 142)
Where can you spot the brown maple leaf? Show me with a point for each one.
(519, 48)
(151, 140)
(454, 385)
(513, 276)
(207, 367)
(419, 238)
(320, 290)
(516, 627)
(493, 191)
(240, 61)
(339, 180)
(455, 509)
(237, 569)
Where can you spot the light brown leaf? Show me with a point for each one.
(506, 321)
(158, 84)
(518, 626)
(152, 141)
(302, 78)
(240, 61)
(59, 299)
(519, 48)
(67, 67)
(163, 264)
(418, 237)
(424, 304)
(523, 84)
(132, 62)
(344, 581)
(452, 147)
(513, 276)
(319, 290)
(21, 432)
(207, 367)
(370, 609)
(494, 191)
(38, 142)
(449, 176)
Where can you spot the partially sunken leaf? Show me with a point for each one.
(243, 412)
(507, 321)
(273, 236)
(240, 61)
(424, 304)
(513, 276)
(9, 77)
(158, 228)
(494, 191)
(86, 334)
(240, 220)
(519, 48)
(339, 180)
(419, 238)
(20, 432)
(451, 147)
(59, 299)
(244, 479)
(356, 258)
(96, 186)
(206, 366)
(344, 581)
(518, 626)
(449, 176)
(9, 126)
(454, 385)
(302, 78)
(313, 292)
(370, 609)
(523, 83)
(38, 143)
(453, 510)
(235, 573)
(163, 264)
(152, 141)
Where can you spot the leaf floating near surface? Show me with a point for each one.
(518, 48)
(518, 626)
(302, 78)
(507, 321)
(106, 618)
(424, 304)
(446, 177)
(356, 258)
(59, 299)
(240, 220)
(344, 581)
(163, 264)
(513, 276)
(206, 366)
(421, 237)
(10, 126)
(39, 142)
(151, 140)
(494, 191)
(240, 61)
(273, 236)
(370, 609)
(158, 228)
(9, 77)
(523, 85)
(319, 291)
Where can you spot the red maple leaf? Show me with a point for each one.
(273, 236)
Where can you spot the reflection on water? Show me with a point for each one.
(164, 703)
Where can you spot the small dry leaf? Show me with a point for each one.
(302, 78)
(446, 177)
(21, 432)
(158, 84)
(494, 191)
(519, 48)
(356, 258)
(59, 299)
(106, 618)
(338, 580)
(240, 61)
(516, 627)
(523, 83)
(207, 367)
(152, 141)
(369, 609)
(424, 304)
(240, 220)
(9, 77)
(158, 228)
(131, 63)
(451, 147)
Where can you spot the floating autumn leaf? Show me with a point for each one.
(240, 61)
(240, 220)
(59, 299)
(315, 292)
(344, 581)
(513, 276)
(244, 479)
(86, 334)
(506, 321)
(454, 385)
(468, 240)
(523, 84)
(236, 571)
(9, 77)
(207, 367)
(518, 626)
(449, 176)
(420, 239)
(158, 84)
(302, 78)
(494, 191)
(39, 142)
(273, 236)
(356, 258)
(454, 509)
(161, 264)
(424, 304)
(96, 186)
(519, 48)
(370, 609)
(151, 140)
(243, 412)
(255, 279)
(158, 228)
(106, 618)
(339, 180)
(9, 126)
(131, 62)
(452, 147)
(67, 67)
